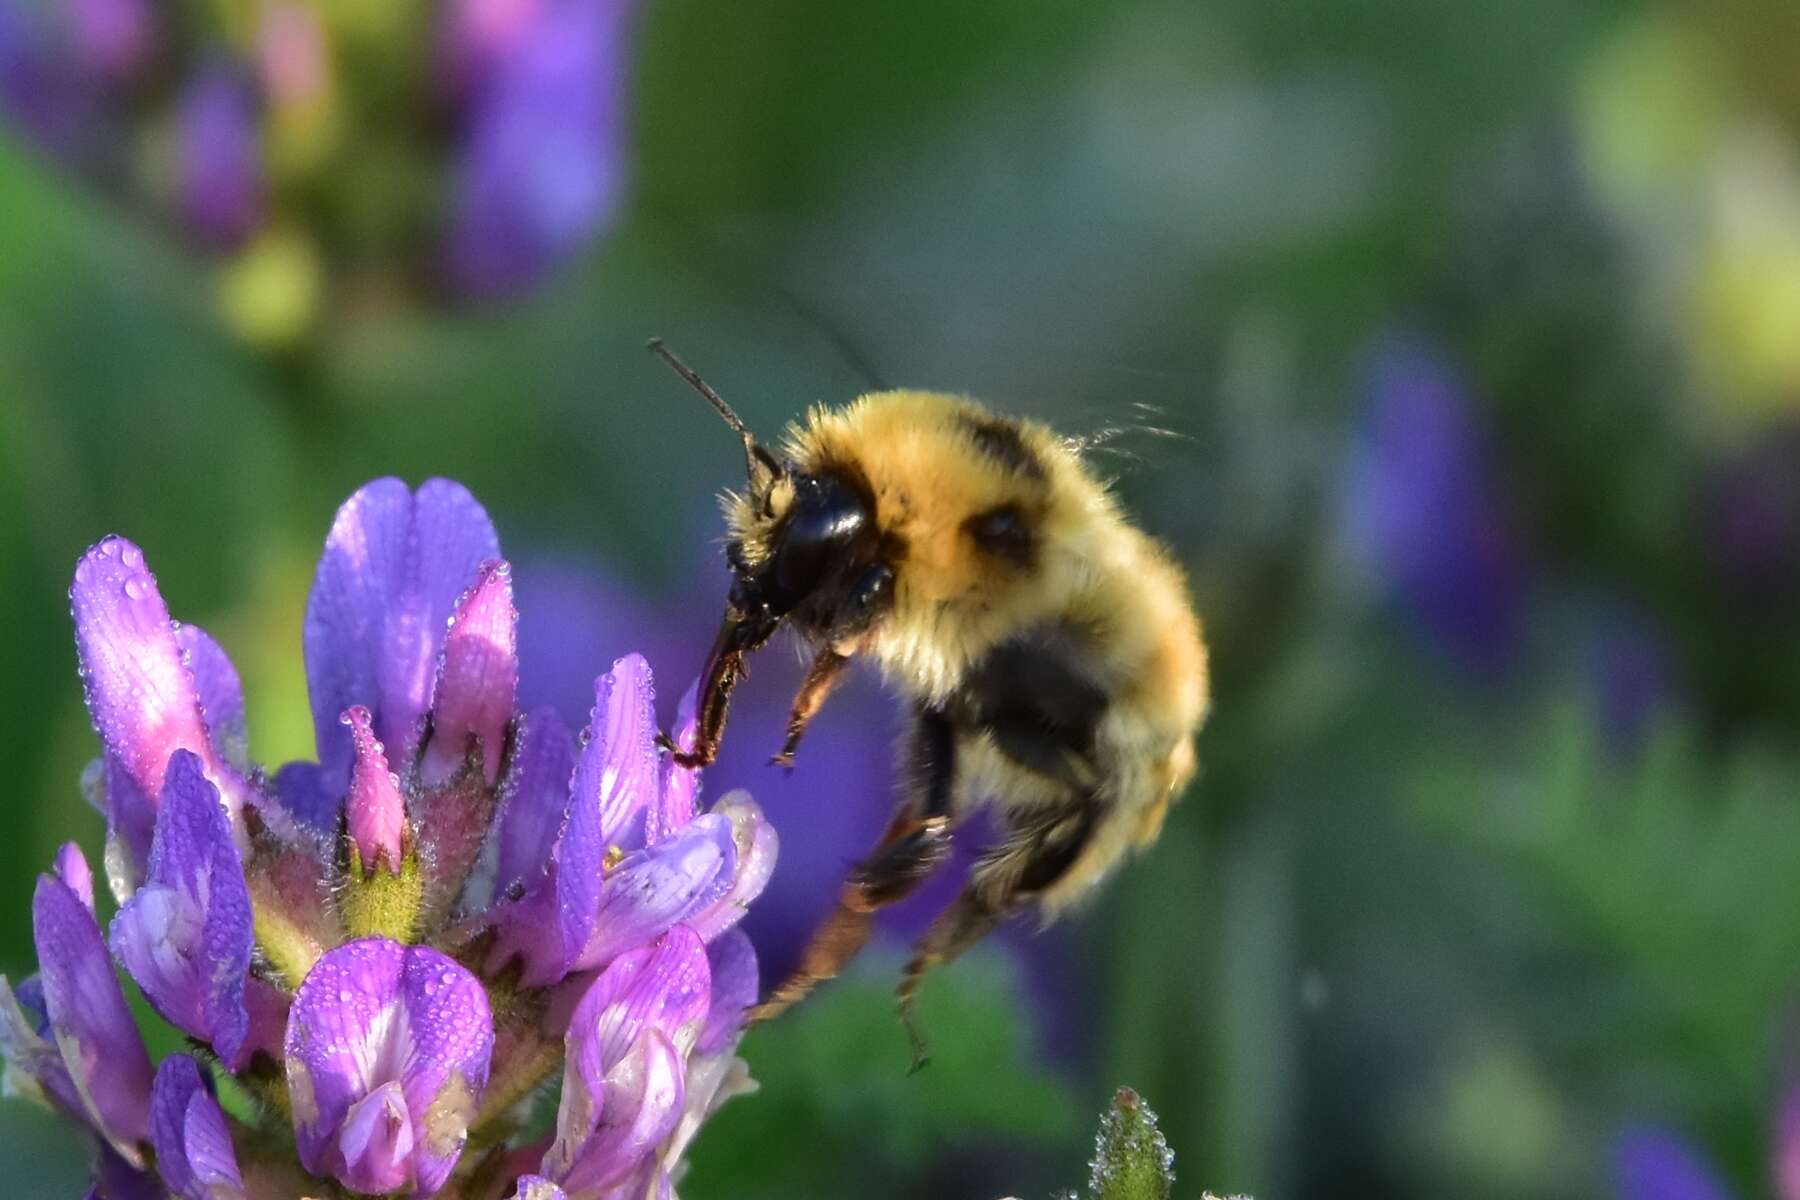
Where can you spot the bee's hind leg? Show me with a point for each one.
(914, 846)
(1007, 879)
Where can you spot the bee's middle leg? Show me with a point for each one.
(1008, 878)
(916, 843)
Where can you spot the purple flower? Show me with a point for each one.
(1653, 1164)
(1428, 510)
(114, 39)
(148, 684)
(610, 884)
(328, 934)
(395, 565)
(43, 91)
(84, 1014)
(194, 1155)
(185, 934)
(219, 156)
(479, 35)
(627, 1050)
(387, 1055)
(541, 166)
(536, 1187)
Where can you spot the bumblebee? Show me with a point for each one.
(1048, 651)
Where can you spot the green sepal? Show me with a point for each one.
(383, 902)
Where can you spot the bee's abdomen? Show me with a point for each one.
(1033, 695)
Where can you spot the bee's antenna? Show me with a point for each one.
(754, 454)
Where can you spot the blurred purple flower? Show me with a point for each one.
(1751, 521)
(1654, 1164)
(219, 156)
(478, 36)
(278, 923)
(1634, 679)
(43, 91)
(1429, 512)
(113, 39)
(542, 159)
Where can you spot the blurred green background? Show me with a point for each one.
(1478, 330)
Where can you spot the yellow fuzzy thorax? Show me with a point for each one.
(929, 476)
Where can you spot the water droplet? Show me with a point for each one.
(344, 995)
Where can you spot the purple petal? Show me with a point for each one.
(194, 1154)
(537, 795)
(543, 163)
(677, 799)
(626, 1049)
(373, 1013)
(376, 1141)
(735, 986)
(34, 1066)
(72, 868)
(756, 845)
(1653, 1164)
(307, 794)
(658, 887)
(374, 811)
(615, 780)
(116, 1179)
(478, 680)
(185, 936)
(536, 1187)
(220, 155)
(268, 1008)
(392, 570)
(142, 696)
(89, 1020)
(220, 691)
(618, 770)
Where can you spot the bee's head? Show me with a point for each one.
(804, 545)
(810, 548)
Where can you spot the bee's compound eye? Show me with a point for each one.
(828, 520)
(1002, 531)
(873, 590)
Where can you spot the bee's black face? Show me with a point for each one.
(825, 543)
